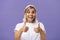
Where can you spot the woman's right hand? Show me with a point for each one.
(25, 28)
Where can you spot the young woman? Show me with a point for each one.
(30, 28)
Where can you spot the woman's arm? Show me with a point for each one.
(41, 31)
(17, 34)
(43, 35)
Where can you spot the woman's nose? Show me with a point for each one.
(30, 13)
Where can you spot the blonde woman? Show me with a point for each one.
(30, 28)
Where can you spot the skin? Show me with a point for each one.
(42, 33)
(30, 17)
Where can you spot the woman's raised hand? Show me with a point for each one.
(25, 28)
(37, 29)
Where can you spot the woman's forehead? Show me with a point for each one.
(31, 9)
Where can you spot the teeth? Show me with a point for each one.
(30, 17)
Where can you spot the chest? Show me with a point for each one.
(30, 34)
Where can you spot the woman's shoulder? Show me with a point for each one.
(42, 26)
(18, 26)
(19, 23)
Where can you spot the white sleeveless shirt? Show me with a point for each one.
(30, 34)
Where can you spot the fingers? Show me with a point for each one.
(37, 29)
(38, 24)
(25, 22)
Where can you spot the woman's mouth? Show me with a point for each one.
(30, 17)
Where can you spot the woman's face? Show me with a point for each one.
(30, 15)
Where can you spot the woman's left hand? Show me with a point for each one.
(37, 30)
(42, 33)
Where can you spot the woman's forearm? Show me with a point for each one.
(18, 35)
(43, 35)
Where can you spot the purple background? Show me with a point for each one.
(12, 12)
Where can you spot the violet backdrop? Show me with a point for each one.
(12, 12)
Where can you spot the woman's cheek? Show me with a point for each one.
(27, 14)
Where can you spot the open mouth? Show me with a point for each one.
(30, 17)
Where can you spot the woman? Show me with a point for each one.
(30, 28)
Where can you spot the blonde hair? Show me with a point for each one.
(26, 9)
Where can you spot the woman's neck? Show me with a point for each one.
(30, 21)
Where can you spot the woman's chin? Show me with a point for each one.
(30, 20)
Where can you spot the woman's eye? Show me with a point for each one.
(33, 12)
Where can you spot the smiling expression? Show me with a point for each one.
(30, 14)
